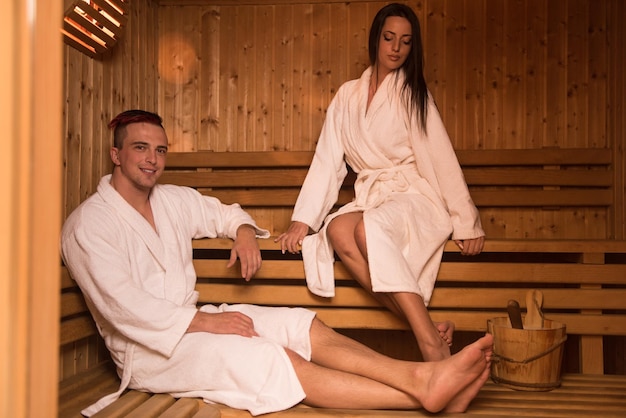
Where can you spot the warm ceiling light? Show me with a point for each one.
(94, 26)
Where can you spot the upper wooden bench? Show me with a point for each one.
(497, 178)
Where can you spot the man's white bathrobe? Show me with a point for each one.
(139, 285)
(410, 188)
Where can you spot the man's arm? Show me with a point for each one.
(247, 250)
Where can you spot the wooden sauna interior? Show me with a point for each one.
(258, 75)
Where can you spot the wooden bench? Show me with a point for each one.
(583, 281)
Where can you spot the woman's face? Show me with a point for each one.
(394, 44)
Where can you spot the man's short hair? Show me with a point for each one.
(121, 121)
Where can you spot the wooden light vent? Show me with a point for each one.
(94, 26)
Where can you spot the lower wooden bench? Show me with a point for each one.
(578, 396)
(583, 284)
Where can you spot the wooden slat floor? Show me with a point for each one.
(578, 396)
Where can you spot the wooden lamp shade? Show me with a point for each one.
(94, 26)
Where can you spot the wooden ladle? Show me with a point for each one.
(534, 315)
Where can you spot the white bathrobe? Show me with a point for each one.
(139, 285)
(410, 188)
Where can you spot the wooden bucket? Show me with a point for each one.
(527, 359)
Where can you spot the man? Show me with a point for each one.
(129, 248)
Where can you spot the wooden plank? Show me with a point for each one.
(66, 280)
(183, 407)
(72, 303)
(257, 178)
(571, 246)
(239, 159)
(153, 407)
(466, 321)
(482, 198)
(591, 354)
(126, 403)
(462, 272)
(209, 81)
(541, 198)
(536, 157)
(208, 412)
(473, 177)
(78, 392)
(537, 177)
(577, 67)
(443, 297)
(267, 197)
(76, 329)
(532, 273)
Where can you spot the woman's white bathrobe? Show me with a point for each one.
(140, 287)
(410, 188)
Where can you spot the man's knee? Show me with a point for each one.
(319, 329)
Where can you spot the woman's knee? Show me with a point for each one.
(338, 235)
(341, 231)
(359, 237)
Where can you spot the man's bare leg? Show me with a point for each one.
(330, 388)
(347, 236)
(346, 374)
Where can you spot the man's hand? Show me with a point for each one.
(247, 250)
(470, 246)
(223, 323)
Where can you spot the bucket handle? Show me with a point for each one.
(497, 357)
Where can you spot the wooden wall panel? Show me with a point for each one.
(616, 119)
(259, 75)
(505, 74)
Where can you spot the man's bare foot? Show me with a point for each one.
(463, 399)
(446, 329)
(456, 381)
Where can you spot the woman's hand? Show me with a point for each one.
(292, 239)
(223, 323)
(470, 246)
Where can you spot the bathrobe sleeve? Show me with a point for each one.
(438, 163)
(323, 181)
(206, 216)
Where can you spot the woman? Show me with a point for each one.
(410, 193)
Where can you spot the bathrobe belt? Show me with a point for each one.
(373, 186)
(125, 381)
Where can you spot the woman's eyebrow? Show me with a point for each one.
(393, 33)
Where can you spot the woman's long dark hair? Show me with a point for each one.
(414, 87)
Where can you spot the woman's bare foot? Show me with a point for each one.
(446, 329)
(455, 381)
(435, 345)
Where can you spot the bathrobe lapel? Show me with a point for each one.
(134, 220)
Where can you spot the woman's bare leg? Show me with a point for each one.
(347, 236)
(346, 374)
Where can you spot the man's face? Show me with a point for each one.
(141, 159)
